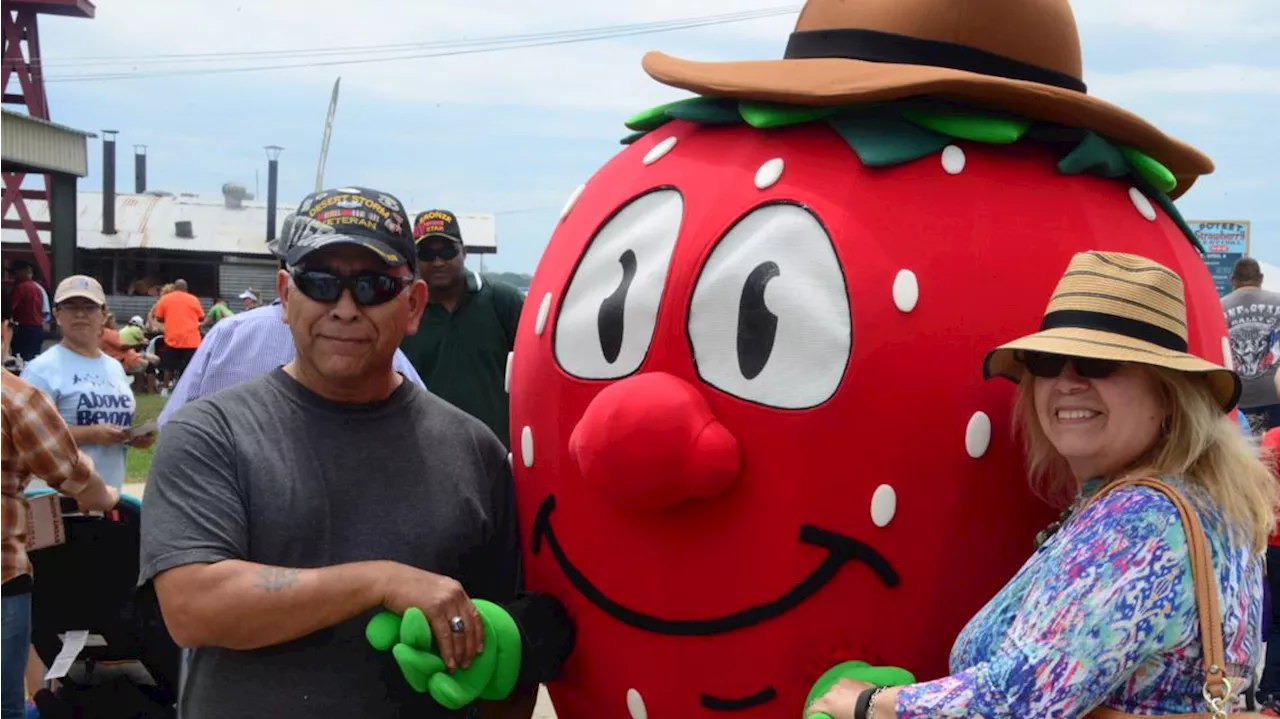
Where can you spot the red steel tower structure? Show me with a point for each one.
(23, 91)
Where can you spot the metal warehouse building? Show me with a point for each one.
(217, 244)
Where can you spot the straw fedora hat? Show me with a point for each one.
(1019, 56)
(1113, 306)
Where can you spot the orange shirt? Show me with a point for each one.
(181, 314)
(111, 345)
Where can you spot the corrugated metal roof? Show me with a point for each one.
(149, 222)
(43, 145)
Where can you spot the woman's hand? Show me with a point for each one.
(143, 441)
(840, 699)
(109, 434)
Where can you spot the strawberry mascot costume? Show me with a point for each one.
(751, 436)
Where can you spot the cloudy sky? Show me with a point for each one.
(513, 132)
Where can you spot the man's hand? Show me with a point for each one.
(98, 498)
(493, 673)
(143, 441)
(109, 434)
(441, 599)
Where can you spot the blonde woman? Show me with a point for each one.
(1103, 619)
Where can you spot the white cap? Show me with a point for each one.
(79, 286)
(136, 320)
(247, 295)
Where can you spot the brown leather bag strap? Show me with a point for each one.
(1203, 577)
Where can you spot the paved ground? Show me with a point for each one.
(542, 711)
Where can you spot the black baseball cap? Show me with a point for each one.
(437, 223)
(357, 216)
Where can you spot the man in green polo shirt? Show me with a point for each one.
(468, 329)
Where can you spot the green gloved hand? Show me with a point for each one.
(491, 675)
(858, 672)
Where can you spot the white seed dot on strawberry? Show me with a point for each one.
(544, 310)
(906, 290)
(573, 200)
(1227, 360)
(953, 160)
(977, 436)
(526, 446)
(635, 705)
(884, 504)
(506, 382)
(769, 173)
(1143, 205)
(659, 150)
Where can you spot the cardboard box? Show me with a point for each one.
(44, 522)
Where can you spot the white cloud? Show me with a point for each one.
(1241, 19)
(1215, 79)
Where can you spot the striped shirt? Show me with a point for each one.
(243, 347)
(36, 442)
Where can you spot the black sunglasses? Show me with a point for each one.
(445, 252)
(1048, 366)
(367, 289)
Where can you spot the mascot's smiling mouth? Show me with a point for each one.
(840, 550)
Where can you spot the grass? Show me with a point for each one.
(138, 462)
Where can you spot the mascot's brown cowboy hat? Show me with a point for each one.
(1020, 56)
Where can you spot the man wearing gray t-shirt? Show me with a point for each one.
(283, 513)
(1253, 325)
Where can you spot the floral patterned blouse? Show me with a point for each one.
(1103, 614)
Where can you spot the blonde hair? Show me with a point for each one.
(1202, 445)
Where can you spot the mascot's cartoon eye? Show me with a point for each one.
(770, 320)
(605, 324)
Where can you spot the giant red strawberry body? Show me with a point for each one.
(751, 433)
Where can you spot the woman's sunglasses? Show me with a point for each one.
(1048, 366)
(367, 289)
(444, 252)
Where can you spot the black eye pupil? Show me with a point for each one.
(757, 326)
(612, 314)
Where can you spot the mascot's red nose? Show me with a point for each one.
(650, 442)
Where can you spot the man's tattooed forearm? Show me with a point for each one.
(277, 579)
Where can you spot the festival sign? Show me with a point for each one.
(1224, 242)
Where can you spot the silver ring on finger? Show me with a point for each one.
(456, 625)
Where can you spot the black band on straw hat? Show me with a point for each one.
(1126, 326)
(877, 46)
